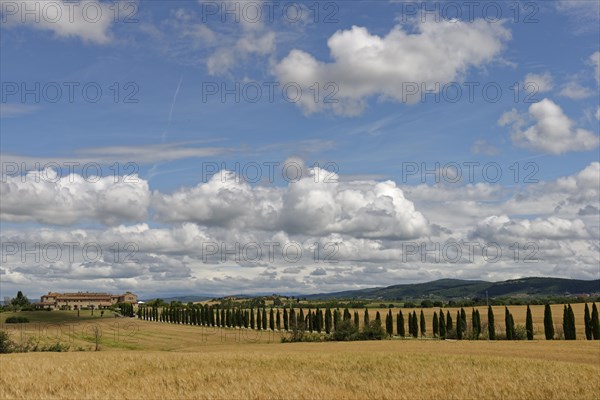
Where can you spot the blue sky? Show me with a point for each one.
(168, 54)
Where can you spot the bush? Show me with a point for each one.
(6, 345)
(373, 331)
(56, 347)
(520, 333)
(17, 320)
(346, 331)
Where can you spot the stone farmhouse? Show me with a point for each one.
(79, 300)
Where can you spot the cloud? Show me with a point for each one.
(138, 154)
(364, 64)
(573, 90)
(308, 206)
(553, 132)
(595, 61)
(15, 110)
(88, 20)
(47, 197)
(481, 146)
(541, 82)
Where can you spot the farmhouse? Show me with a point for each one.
(79, 300)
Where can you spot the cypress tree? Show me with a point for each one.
(264, 318)
(366, 317)
(507, 324)
(436, 327)
(415, 325)
(320, 321)
(218, 318)
(301, 325)
(548, 324)
(491, 325)
(478, 324)
(423, 327)
(565, 323)
(258, 319)
(378, 318)
(293, 319)
(285, 320)
(529, 324)
(595, 323)
(442, 325)
(336, 319)
(588, 323)
(251, 318)
(347, 315)
(463, 319)
(328, 320)
(389, 327)
(572, 323)
(459, 326)
(401, 330)
(356, 320)
(278, 323)
(449, 324)
(246, 319)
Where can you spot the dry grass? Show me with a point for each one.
(357, 370)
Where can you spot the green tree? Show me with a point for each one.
(378, 317)
(436, 326)
(449, 324)
(251, 318)
(422, 323)
(491, 325)
(278, 323)
(529, 324)
(400, 323)
(459, 326)
(588, 323)
(264, 319)
(415, 325)
(20, 300)
(336, 319)
(271, 320)
(572, 329)
(442, 323)
(548, 324)
(285, 320)
(509, 330)
(366, 317)
(463, 319)
(356, 320)
(389, 324)
(258, 319)
(595, 323)
(328, 320)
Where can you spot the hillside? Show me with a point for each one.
(457, 288)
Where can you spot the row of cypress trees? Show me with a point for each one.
(328, 321)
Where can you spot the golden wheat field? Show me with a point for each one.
(351, 370)
(150, 360)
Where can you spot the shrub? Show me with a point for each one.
(17, 320)
(6, 345)
(347, 331)
(373, 331)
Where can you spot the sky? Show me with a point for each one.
(249, 147)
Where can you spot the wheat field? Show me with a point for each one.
(352, 370)
(151, 360)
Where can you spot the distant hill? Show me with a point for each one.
(457, 288)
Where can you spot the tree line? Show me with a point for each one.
(445, 325)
